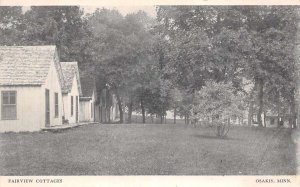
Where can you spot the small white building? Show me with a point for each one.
(88, 99)
(71, 92)
(97, 107)
(107, 110)
(30, 88)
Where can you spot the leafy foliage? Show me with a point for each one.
(234, 43)
(217, 101)
(154, 65)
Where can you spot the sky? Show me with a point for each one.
(150, 10)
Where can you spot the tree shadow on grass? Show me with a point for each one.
(215, 137)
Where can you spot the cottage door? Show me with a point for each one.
(47, 104)
(76, 109)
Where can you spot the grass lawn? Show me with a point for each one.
(150, 149)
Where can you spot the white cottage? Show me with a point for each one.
(88, 99)
(97, 106)
(71, 92)
(30, 87)
(107, 107)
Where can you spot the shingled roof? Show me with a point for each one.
(69, 70)
(87, 86)
(27, 65)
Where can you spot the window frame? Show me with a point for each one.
(3, 105)
(56, 105)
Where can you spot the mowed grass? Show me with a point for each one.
(151, 149)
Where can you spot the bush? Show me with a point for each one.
(218, 102)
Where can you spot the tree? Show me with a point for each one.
(176, 101)
(61, 26)
(122, 51)
(272, 32)
(11, 25)
(218, 102)
(230, 43)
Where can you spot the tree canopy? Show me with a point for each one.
(157, 64)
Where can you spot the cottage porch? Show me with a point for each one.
(67, 126)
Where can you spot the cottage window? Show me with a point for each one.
(254, 118)
(72, 107)
(9, 105)
(56, 104)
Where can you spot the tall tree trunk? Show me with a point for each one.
(278, 107)
(252, 102)
(105, 115)
(293, 109)
(152, 118)
(187, 118)
(175, 115)
(250, 114)
(130, 112)
(105, 105)
(264, 120)
(165, 116)
(101, 114)
(120, 107)
(143, 110)
(108, 114)
(260, 101)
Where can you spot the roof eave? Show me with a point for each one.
(33, 85)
